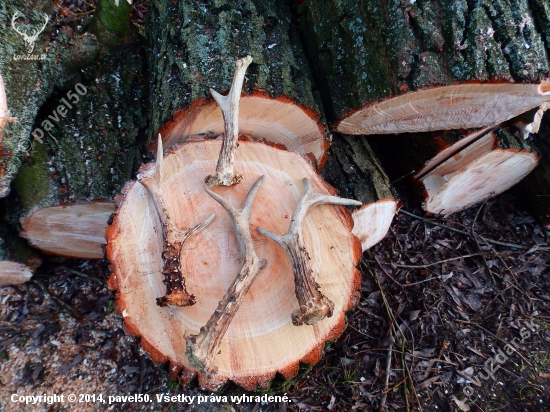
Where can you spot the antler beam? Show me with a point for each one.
(174, 240)
(314, 306)
(202, 348)
(230, 108)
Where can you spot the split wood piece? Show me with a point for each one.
(202, 348)
(261, 340)
(404, 67)
(279, 103)
(314, 306)
(174, 237)
(14, 273)
(485, 168)
(279, 120)
(229, 106)
(535, 188)
(355, 171)
(74, 230)
(445, 108)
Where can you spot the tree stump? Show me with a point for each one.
(261, 340)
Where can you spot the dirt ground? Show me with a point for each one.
(454, 315)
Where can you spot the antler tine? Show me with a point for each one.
(174, 238)
(15, 16)
(230, 109)
(202, 348)
(314, 306)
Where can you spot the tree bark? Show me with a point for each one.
(369, 50)
(29, 83)
(194, 46)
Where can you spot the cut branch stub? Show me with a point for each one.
(202, 348)
(314, 306)
(174, 238)
(14, 273)
(230, 108)
(260, 341)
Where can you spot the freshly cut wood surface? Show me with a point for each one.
(76, 230)
(279, 120)
(13, 273)
(484, 169)
(444, 108)
(261, 339)
(372, 221)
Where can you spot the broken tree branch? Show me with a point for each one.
(314, 306)
(230, 108)
(174, 239)
(202, 348)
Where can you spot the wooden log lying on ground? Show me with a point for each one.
(458, 169)
(380, 62)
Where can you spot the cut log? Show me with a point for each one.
(483, 169)
(73, 230)
(260, 339)
(416, 66)
(354, 170)
(535, 188)
(194, 44)
(14, 273)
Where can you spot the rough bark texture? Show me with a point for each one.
(354, 170)
(535, 188)
(194, 46)
(372, 49)
(29, 82)
(91, 152)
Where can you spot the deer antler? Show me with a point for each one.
(174, 239)
(202, 348)
(314, 306)
(15, 16)
(35, 35)
(230, 108)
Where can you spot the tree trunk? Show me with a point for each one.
(194, 46)
(92, 141)
(372, 50)
(29, 83)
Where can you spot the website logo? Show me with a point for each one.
(29, 39)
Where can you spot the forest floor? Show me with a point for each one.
(447, 321)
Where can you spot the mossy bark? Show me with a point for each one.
(194, 46)
(369, 50)
(354, 170)
(91, 119)
(62, 53)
